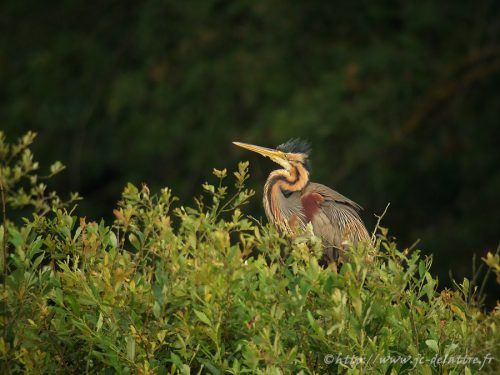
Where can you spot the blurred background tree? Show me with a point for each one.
(400, 101)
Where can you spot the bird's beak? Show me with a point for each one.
(264, 151)
(275, 155)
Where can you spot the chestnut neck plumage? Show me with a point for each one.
(279, 185)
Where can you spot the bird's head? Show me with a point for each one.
(287, 154)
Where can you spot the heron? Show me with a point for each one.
(291, 201)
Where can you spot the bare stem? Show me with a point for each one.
(4, 223)
(377, 226)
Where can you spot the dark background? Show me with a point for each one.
(400, 100)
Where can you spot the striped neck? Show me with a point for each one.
(279, 185)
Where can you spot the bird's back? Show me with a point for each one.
(334, 218)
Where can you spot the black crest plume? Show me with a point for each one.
(295, 145)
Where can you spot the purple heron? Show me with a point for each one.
(291, 201)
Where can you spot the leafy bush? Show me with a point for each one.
(176, 289)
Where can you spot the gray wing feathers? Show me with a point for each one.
(338, 219)
(332, 195)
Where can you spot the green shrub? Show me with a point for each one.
(205, 289)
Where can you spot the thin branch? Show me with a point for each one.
(413, 245)
(377, 226)
(4, 242)
(4, 246)
(476, 272)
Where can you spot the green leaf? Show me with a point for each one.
(134, 241)
(130, 347)
(433, 345)
(176, 360)
(213, 370)
(112, 239)
(201, 315)
(56, 167)
(16, 238)
(38, 261)
(156, 309)
(99, 322)
(422, 269)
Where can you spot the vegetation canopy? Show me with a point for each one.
(168, 288)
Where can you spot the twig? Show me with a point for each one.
(476, 272)
(379, 218)
(414, 244)
(4, 243)
(4, 248)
